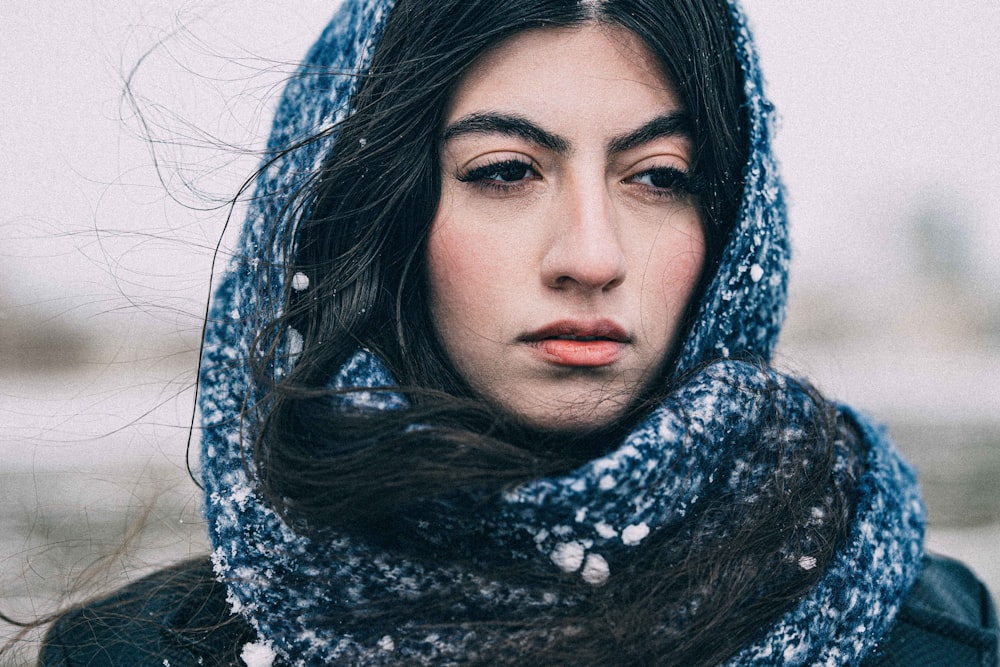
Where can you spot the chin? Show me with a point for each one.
(577, 418)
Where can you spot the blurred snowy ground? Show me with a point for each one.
(888, 137)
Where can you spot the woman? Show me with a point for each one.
(489, 382)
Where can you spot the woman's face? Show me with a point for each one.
(567, 244)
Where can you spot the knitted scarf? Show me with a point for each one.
(339, 598)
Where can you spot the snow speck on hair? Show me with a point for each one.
(258, 654)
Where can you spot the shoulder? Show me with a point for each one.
(176, 616)
(948, 618)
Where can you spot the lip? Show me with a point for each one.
(580, 344)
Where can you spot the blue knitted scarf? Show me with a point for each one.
(301, 592)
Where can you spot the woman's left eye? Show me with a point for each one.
(664, 181)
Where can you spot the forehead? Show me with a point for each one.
(592, 69)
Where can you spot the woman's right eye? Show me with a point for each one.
(504, 174)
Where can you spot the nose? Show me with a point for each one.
(584, 251)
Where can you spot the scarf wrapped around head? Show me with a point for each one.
(301, 593)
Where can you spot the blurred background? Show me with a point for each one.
(888, 137)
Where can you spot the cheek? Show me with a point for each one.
(466, 308)
(681, 275)
(475, 261)
(460, 277)
(679, 266)
(445, 268)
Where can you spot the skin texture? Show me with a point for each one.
(560, 217)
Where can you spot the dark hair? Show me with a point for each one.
(360, 240)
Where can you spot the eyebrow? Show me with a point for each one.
(672, 124)
(508, 124)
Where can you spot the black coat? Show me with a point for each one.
(179, 617)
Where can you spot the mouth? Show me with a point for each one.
(579, 344)
(597, 330)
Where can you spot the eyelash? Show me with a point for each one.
(679, 183)
(486, 175)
